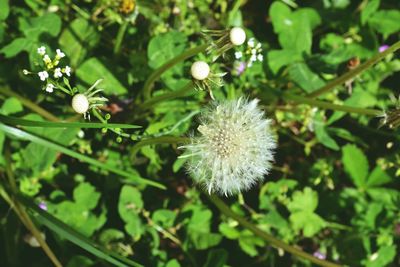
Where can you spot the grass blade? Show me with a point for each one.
(75, 237)
(21, 134)
(47, 124)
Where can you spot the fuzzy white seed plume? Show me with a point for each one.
(80, 103)
(200, 70)
(234, 150)
(237, 36)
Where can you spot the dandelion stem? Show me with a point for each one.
(267, 237)
(167, 96)
(120, 36)
(326, 105)
(148, 85)
(29, 104)
(351, 74)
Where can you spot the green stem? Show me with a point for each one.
(29, 104)
(267, 237)
(353, 73)
(120, 36)
(167, 96)
(157, 140)
(326, 105)
(148, 85)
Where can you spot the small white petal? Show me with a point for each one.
(238, 55)
(60, 54)
(41, 50)
(49, 88)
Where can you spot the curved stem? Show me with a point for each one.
(29, 104)
(326, 105)
(148, 85)
(267, 237)
(120, 36)
(351, 74)
(171, 95)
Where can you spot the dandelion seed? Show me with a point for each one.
(234, 150)
(49, 88)
(57, 73)
(41, 50)
(43, 75)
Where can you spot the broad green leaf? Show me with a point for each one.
(356, 164)
(323, 136)
(77, 38)
(280, 16)
(306, 200)
(249, 243)
(20, 134)
(4, 9)
(276, 59)
(203, 240)
(229, 231)
(129, 206)
(386, 21)
(86, 196)
(48, 23)
(163, 217)
(309, 222)
(93, 69)
(173, 263)
(384, 256)
(378, 177)
(10, 106)
(304, 77)
(371, 7)
(16, 46)
(164, 47)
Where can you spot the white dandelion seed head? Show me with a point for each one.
(237, 36)
(234, 150)
(200, 70)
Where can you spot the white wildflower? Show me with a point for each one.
(234, 150)
(251, 42)
(43, 75)
(49, 88)
(41, 50)
(260, 57)
(238, 55)
(25, 72)
(59, 53)
(67, 71)
(46, 59)
(57, 73)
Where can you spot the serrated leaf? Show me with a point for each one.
(85, 195)
(355, 164)
(378, 177)
(306, 200)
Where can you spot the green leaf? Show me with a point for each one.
(93, 69)
(323, 136)
(129, 206)
(229, 231)
(20, 134)
(48, 23)
(276, 59)
(4, 9)
(203, 240)
(304, 201)
(86, 196)
(386, 21)
(16, 46)
(309, 222)
(164, 47)
(163, 217)
(371, 7)
(304, 77)
(80, 261)
(249, 243)
(385, 255)
(10, 106)
(378, 177)
(77, 39)
(173, 263)
(356, 164)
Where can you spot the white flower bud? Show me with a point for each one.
(237, 36)
(200, 70)
(80, 103)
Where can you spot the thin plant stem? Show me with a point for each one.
(353, 73)
(326, 105)
(23, 215)
(120, 36)
(148, 85)
(167, 96)
(29, 104)
(267, 237)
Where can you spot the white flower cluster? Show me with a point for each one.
(51, 66)
(253, 52)
(234, 150)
